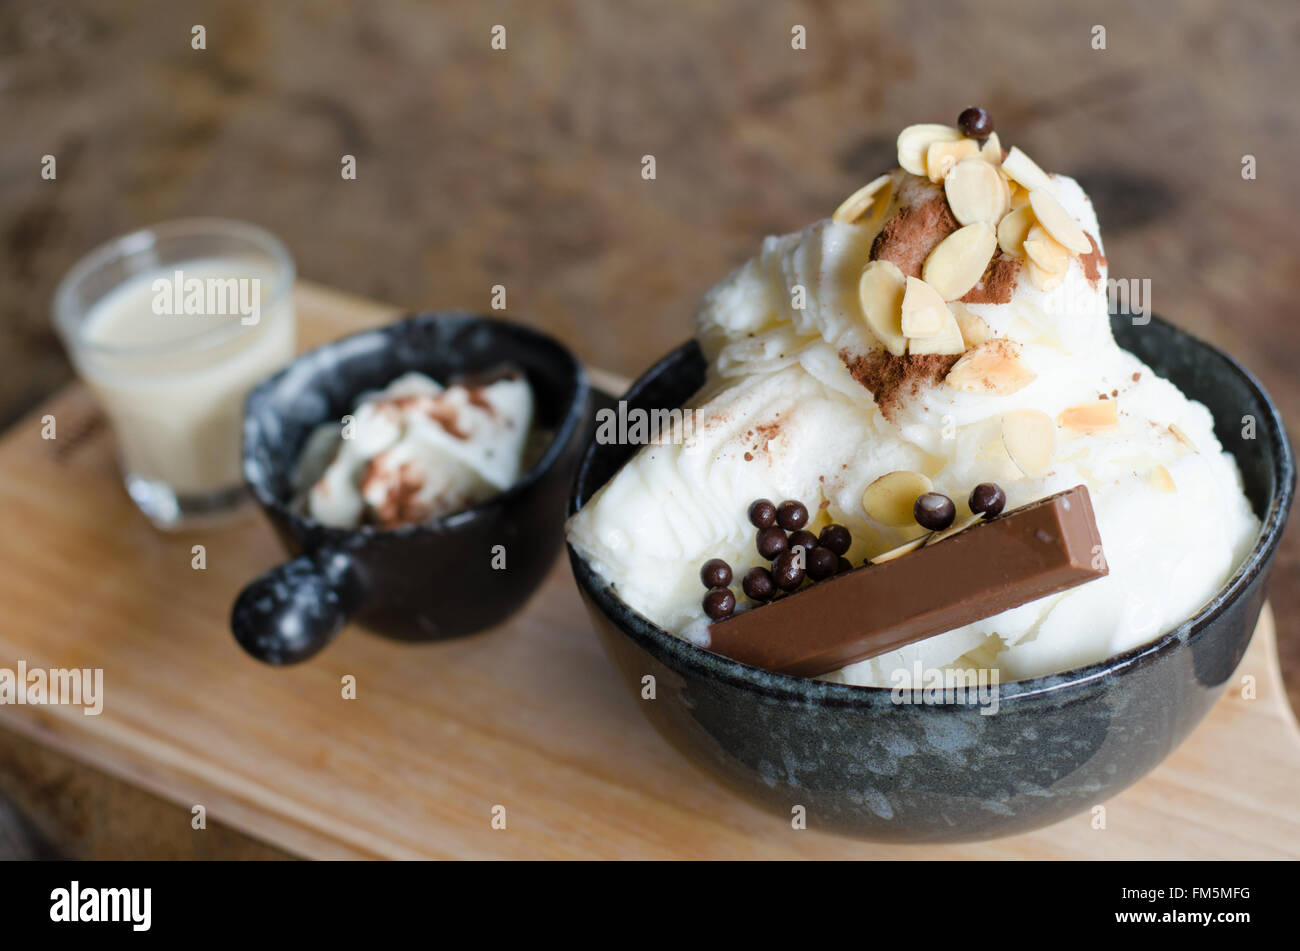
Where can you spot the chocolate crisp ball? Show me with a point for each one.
(843, 566)
(987, 499)
(771, 541)
(719, 603)
(762, 513)
(836, 538)
(934, 511)
(792, 515)
(716, 573)
(758, 584)
(804, 539)
(822, 563)
(786, 571)
(975, 123)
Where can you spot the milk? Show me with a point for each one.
(172, 375)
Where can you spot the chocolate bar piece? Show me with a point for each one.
(1028, 553)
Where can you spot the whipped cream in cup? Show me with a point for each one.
(417, 450)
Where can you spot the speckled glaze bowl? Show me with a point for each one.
(1058, 745)
(420, 582)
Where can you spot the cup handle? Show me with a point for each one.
(288, 614)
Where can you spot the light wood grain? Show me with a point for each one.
(530, 715)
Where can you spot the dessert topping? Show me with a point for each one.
(856, 206)
(934, 511)
(1095, 417)
(719, 603)
(942, 157)
(954, 529)
(758, 584)
(1057, 221)
(880, 292)
(901, 550)
(1161, 480)
(788, 569)
(894, 601)
(822, 563)
(791, 515)
(715, 573)
(891, 498)
(1020, 168)
(958, 262)
(1013, 229)
(836, 538)
(991, 367)
(1045, 251)
(1183, 438)
(762, 513)
(1029, 436)
(977, 191)
(948, 341)
(803, 539)
(975, 122)
(987, 499)
(771, 541)
(914, 143)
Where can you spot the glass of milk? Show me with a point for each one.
(171, 326)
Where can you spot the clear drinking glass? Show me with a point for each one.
(171, 326)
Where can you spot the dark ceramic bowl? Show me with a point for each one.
(1057, 745)
(419, 582)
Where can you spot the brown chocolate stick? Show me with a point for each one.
(1022, 555)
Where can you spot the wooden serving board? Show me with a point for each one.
(530, 716)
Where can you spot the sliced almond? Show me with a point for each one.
(914, 142)
(992, 367)
(976, 192)
(1021, 168)
(1029, 436)
(1013, 228)
(1095, 417)
(974, 329)
(1000, 468)
(1043, 280)
(880, 292)
(1183, 438)
(1161, 480)
(902, 549)
(992, 150)
(924, 312)
(947, 341)
(959, 526)
(889, 499)
(959, 260)
(856, 206)
(1046, 251)
(942, 157)
(1053, 216)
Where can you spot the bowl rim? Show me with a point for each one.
(305, 526)
(788, 687)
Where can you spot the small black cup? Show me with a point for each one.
(419, 582)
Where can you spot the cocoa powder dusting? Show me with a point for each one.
(399, 505)
(1092, 262)
(432, 406)
(892, 379)
(476, 398)
(907, 239)
(997, 283)
(446, 417)
(766, 433)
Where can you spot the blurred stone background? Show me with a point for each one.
(522, 167)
